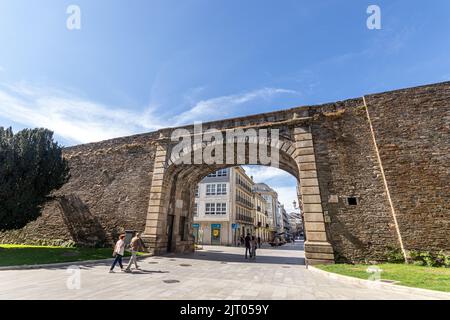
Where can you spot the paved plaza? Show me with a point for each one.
(210, 273)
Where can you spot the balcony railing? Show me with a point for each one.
(244, 218)
(243, 201)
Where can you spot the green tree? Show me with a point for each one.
(31, 166)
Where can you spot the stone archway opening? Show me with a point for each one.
(236, 201)
(172, 195)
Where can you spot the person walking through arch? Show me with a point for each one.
(135, 246)
(247, 241)
(253, 246)
(118, 253)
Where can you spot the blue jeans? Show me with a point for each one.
(118, 259)
(247, 249)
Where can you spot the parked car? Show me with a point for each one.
(277, 241)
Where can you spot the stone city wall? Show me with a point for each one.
(108, 191)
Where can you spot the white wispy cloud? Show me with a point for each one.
(264, 174)
(226, 106)
(286, 195)
(279, 180)
(81, 120)
(71, 117)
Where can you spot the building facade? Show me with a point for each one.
(286, 223)
(296, 224)
(279, 215)
(271, 198)
(224, 207)
(212, 209)
(261, 217)
(244, 202)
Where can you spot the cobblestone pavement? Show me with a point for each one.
(210, 273)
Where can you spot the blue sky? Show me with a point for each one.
(137, 66)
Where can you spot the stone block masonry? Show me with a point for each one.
(347, 166)
(107, 193)
(412, 130)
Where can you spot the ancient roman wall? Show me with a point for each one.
(107, 193)
(412, 130)
(109, 188)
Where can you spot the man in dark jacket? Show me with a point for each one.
(247, 245)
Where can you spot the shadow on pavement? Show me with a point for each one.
(142, 271)
(217, 255)
(299, 246)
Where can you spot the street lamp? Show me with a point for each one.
(299, 207)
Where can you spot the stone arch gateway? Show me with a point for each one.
(373, 176)
(173, 185)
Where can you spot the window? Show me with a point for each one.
(219, 173)
(216, 189)
(221, 208)
(210, 189)
(222, 172)
(216, 208)
(222, 188)
(196, 192)
(210, 208)
(352, 201)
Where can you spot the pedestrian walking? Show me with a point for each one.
(118, 253)
(247, 241)
(135, 246)
(259, 242)
(253, 246)
(242, 240)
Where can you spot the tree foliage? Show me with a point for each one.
(31, 166)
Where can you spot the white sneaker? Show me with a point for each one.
(111, 271)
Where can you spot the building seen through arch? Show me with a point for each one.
(229, 204)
